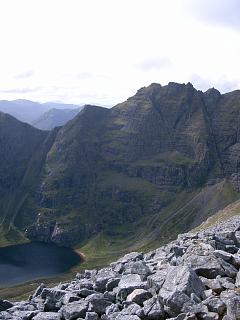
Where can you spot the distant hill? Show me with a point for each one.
(55, 118)
(29, 111)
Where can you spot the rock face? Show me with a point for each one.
(157, 164)
(182, 292)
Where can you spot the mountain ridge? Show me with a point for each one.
(122, 172)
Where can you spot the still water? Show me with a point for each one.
(26, 262)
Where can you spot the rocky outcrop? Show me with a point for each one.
(193, 277)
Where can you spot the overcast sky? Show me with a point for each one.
(102, 51)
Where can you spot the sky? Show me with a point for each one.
(103, 51)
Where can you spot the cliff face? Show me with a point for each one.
(159, 163)
(23, 150)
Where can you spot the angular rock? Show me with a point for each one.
(213, 284)
(102, 277)
(84, 284)
(91, 316)
(139, 296)
(153, 309)
(223, 255)
(52, 293)
(237, 283)
(24, 315)
(39, 290)
(216, 305)
(70, 297)
(184, 316)
(110, 296)
(137, 267)
(226, 282)
(181, 279)
(112, 283)
(85, 292)
(47, 316)
(74, 310)
(157, 279)
(207, 266)
(98, 305)
(228, 268)
(174, 304)
(128, 283)
(127, 317)
(209, 316)
(132, 309)
(4, 305)
(133, 256)
(233, 308)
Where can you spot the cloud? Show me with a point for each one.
(224, 13)
(223, 83)
(154, 64)
(200, 83)
(20, 90)
(165, 41)
(85, 76)
(24, 75)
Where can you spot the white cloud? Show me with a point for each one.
(23, 75)
(225, 13)
(101, 52)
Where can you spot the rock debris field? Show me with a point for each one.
(194, 277)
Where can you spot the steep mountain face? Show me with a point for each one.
(149, 168)
(18, 141)
(29, 111)
(55, 118)
(23, 151)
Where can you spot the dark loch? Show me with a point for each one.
(31, 261)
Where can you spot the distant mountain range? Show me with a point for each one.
(32, 112)
(132, 176)
(55, 118)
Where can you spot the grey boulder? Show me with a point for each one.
(139, 296)
(74, 310)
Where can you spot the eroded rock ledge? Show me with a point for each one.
(194, 277)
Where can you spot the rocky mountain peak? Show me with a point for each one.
(88, 115)
(212, 92)
(171, 87)
(92, 108)
(151, 89)
(179, 85)
(211, 98)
